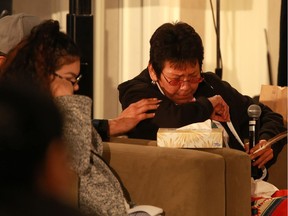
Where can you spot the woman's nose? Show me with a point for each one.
(185, 85)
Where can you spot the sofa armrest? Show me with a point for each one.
(179, 181)
(134, 141)
(237, 175)
(237, 180)
(277, 173)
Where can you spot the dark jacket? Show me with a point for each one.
(170, 115)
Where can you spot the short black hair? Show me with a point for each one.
(175, 42)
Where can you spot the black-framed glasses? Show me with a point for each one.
(74, 82)
(178, 82)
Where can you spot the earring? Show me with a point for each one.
(153, 82)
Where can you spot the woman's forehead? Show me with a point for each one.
(65, 60)
(176, 67)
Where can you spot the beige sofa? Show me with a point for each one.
(181, 181)
(186, 182)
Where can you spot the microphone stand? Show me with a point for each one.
(254, 113)
(256, 173)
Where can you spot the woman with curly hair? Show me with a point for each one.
(51, 60)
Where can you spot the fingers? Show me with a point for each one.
(246, 147)
(256, 149)
(143, 116)
(266, 156)
(146, 101)
(145, 108)
(262, 155)
(147, 104)
(221, 115)
(221, 109)
(132, 115)
(139, 109)
(216, 100)
(142, 106)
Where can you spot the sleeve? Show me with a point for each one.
(102, 127)
(271, 123)
(78, 130)
(178, 115)
(168, 114)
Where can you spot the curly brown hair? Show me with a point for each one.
(40, 54)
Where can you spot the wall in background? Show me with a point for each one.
(45, 9)
(123, 29)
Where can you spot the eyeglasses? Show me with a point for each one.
(178, 82)
(74, 82)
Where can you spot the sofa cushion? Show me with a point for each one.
(179, 181)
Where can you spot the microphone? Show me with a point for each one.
(254, 112)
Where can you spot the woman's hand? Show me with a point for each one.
(60, 87)
(220, 109)
(261, 157)
(132, 115)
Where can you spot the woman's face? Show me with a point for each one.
(65, 80)
(178, 84)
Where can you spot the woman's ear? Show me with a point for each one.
(152, 73)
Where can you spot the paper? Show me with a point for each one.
(260, 188)
(206, 125)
